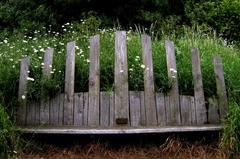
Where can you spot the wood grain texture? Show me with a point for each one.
(22, 92)
(69, 84)
(221, 88)
(85, 108)
(54, 108)
(213, 111)
(185, 103)
(161, 110)
(104, 109)
(78, 109)
(94, 81)
(175, 118)
(149, 96)
(201, 111)
(121, 78)
(135, 108)
(111, 109)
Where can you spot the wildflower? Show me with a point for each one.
(50, 66)
(76, 47)
(81, 51)
(40, 57)
(88, 60)
(23, 97)
(121, 71)
(51, 72)
(173, 70)
(24, 41)
(130, 69)
(42, 64)
(64, 29)
(11, 59)
(42, 50)
(59, 71)
(30, 79)
(142, 66)
(5, 41)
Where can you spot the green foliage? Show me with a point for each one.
(230, 142)
(223, 16)
(9, 136)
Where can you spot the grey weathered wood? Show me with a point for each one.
(125, 130)
(104, 109)
(213, 115)
(161, 110)
(37, 113)
(111, 109)
(168, 110)
(54, 108)
(60, 112)
(69, 84)
(201, 111)
(174, 92)
(135, 106)
(221, 88)
(22, 92)
(94, 81)
(142, 109)
(185, 103)
(121, 79)
(149, 96)
(85, 108)
(47, 68)
(78, 109)
(31, 114)
(193, 111)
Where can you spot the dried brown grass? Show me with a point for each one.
(171, 149)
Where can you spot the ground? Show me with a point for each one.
(153, 146)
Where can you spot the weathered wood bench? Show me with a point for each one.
(122, 111)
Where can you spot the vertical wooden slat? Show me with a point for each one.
(69, 84)
(201, 111)
(78, 109)
(213, 115)
(104, 109)
(149, 96)
(30, 114)
(185, 103)
(221, 88)
(47, 67)
(85, 108)
(111, 109)
(60, 111)
(135, 113)
(142, 109)
(121, 79)
(37, 113)
(22, 92)
(168, 110)
(94, 82)
(174, 92)
(193, 111)
(54, 108)
(161, 110)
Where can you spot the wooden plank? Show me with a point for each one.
(22, 92)
(94, 81)
(126, 130)
(111, 109)
(213, 113)
(221, 88)
(37, 113)
(168, 110)
(47, 68)
(174, 92)
(85, 108)
(142, 109)
(69, 84)
(193, 111)
(135, 106)
(78, 109)
(30, 114)
(201, 111)
(149, 96)
(161, 110)
(121, 79)
(60, 112)
(185, 104)
(104, 109)
(54, 108)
